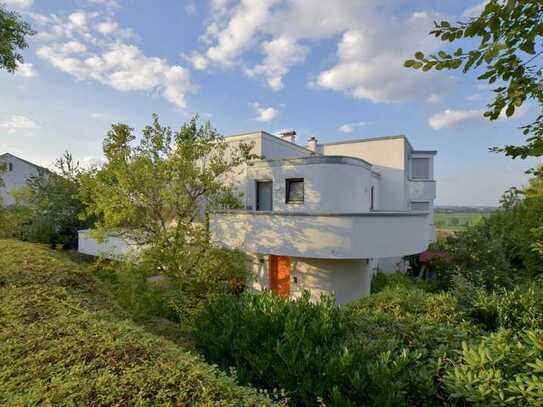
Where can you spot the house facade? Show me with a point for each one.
(321, 217)
(325, 217)
(17, 171)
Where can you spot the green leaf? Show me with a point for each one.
(419, 55)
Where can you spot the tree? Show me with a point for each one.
(55, 204)
(509, 50)
(13, 33)
(156, 194)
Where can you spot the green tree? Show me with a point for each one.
(13, 33)
(155, 194)
(508, 35)
(54, 201)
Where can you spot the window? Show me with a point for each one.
(295, 190)
(420, 168)
(264, 195)
(420, 206)
(372, 198)
(10, 167)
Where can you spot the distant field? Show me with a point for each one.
(457, 220)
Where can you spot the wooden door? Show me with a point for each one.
(280, 275)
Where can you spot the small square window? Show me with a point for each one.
(295, 190)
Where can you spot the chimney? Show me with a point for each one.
(289, 136)
(312, 144)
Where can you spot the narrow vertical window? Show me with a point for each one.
(295, 190)
(372, 198)
(10, 167)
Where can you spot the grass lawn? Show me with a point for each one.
(457, 221)
(63, 341)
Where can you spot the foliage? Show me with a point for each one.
(477, 254)
(509, 34)
(62, 341)
(54, 201)
(155, 194)
(517, 308)
(380, 281)
(505, 369)
(387, 349)
(14, 221)
(13, 33)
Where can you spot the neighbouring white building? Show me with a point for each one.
(17, 171)
(323, 217)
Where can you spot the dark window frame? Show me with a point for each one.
(288, 182)
(10, 167)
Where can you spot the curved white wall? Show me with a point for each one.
(331, 184)
(324, 236)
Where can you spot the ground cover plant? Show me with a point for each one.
(62, 341)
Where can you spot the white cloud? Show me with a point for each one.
(374, 41)
(433, 98)
(264, 114)
(450, 118)
(349, 127)
(280, 54)
(75, 46)
(197, 60)
(18, 4)
(190, 9)
(105, 3)
(16, 122)
(25, 70)
(475, 96)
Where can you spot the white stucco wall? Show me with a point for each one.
(110, 248)
(388, 158)
(15, 178)
(347, 279)
(328, 186)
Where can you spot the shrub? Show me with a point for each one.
(505, 368)
(387, 349)
(518, 308)
(381, 281)
(276, 343)
(62, 341)
(13, 221)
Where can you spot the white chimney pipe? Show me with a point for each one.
(289, 136)
(312, 144)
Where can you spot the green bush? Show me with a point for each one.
(387, 349)
(63, 342)
(13, 221)
(273, 343)
(506, 368)
(518, 308)
(381, 281)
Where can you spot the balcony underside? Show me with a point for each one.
(330, 236)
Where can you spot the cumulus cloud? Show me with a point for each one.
(374, 40)
(17, 122)
(18, 4)
(280, 54)
(350, 127)
(264, 114)
(92, 46)
(450, 118)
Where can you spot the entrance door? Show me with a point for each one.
(280, 275)
(264, 196)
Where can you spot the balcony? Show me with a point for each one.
(422, 190)
(320, 235)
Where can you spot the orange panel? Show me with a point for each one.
(280, 275)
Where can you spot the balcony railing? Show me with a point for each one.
(321, 235)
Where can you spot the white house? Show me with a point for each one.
(16, 174)
(324, 217)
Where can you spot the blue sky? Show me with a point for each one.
(332, 70)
